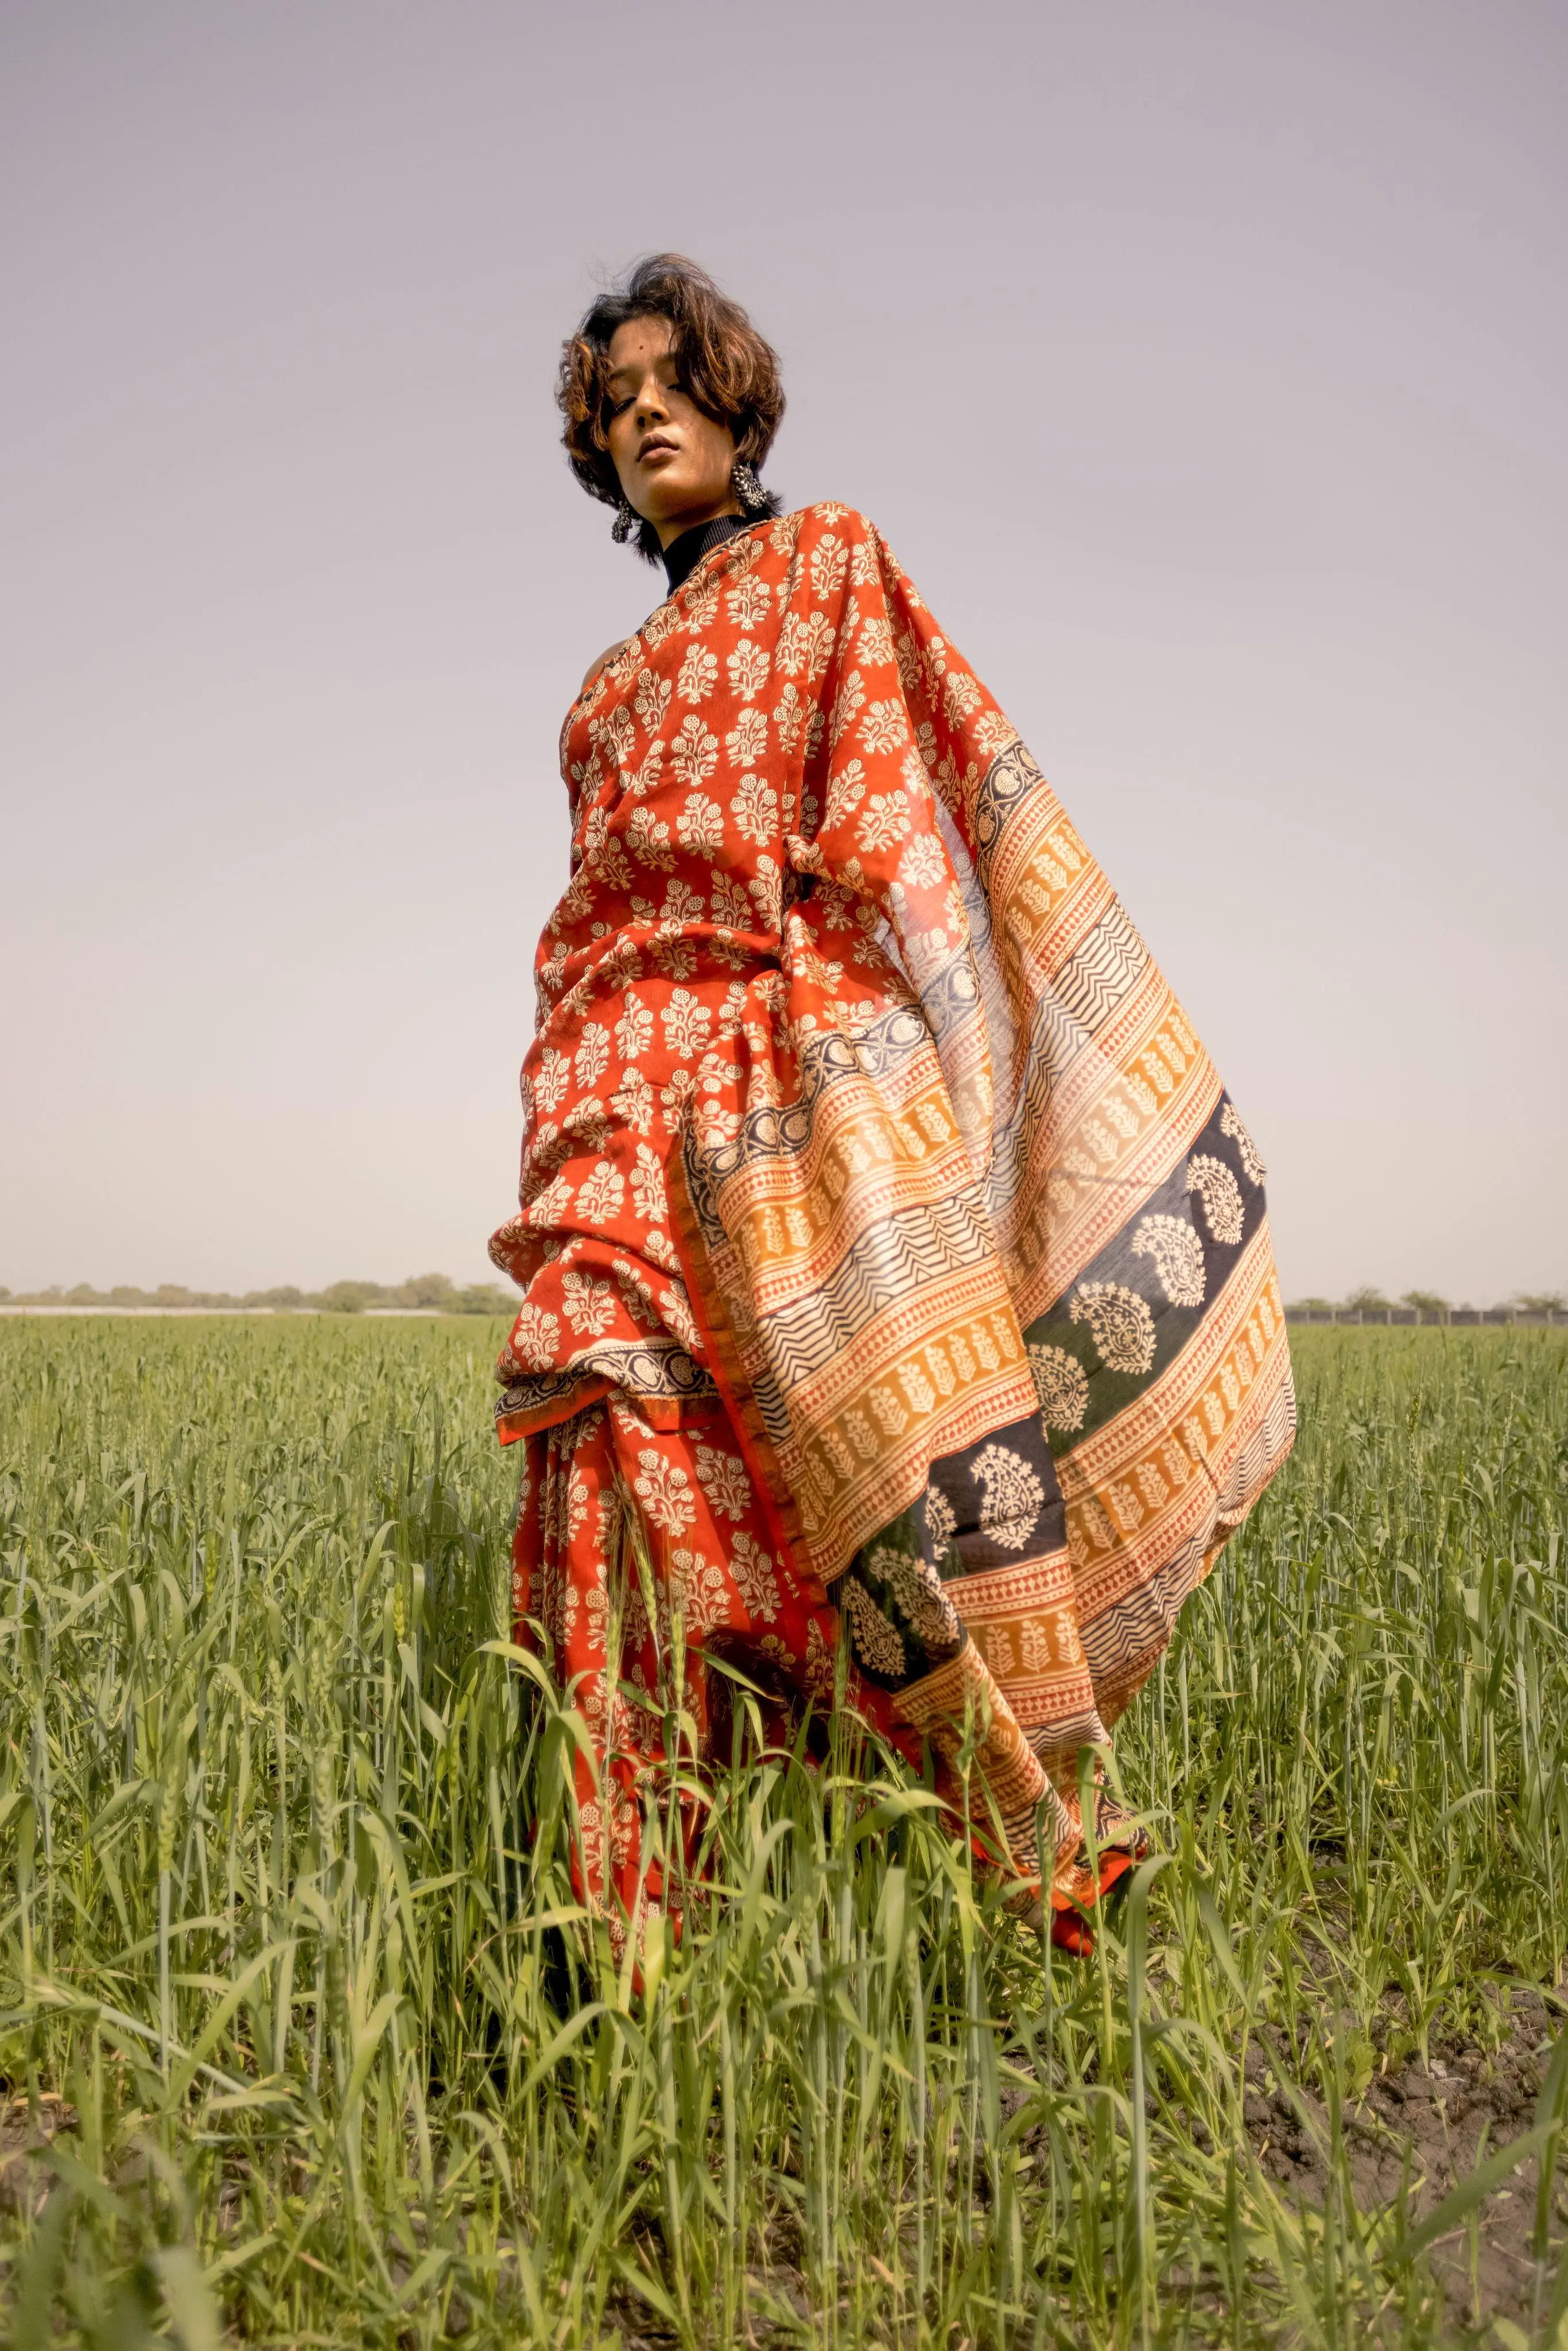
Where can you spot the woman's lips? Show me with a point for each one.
(652, 449)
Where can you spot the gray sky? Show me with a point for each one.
(1204, 364)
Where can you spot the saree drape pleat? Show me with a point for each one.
(868, 1152)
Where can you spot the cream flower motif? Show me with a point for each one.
(551, 1079)
(846, 701)
(922, 865)
(747, 667)
(883, 726)
(722, 1479)
(599, 1198)
(534, 1337)
(652, 700)
(749, 604)
(755, 808)
(874, 646)
(1178, 1254)
(616, 736)
(1246, 1149)
(731, 906)
(918, 1592)
(648, 1194)
(876, 1641)
(701, 604)
(1220, 1194)
(1119, 1321)
(805, 643)
(700, 1590)
(640, 782)
(754, 1574)
(687, 1021)
(846, 789)
(664, 1491)
(649, 840)
(592, 1054)
(634, 1030)
(961, 694)
(589, 1305)
(829, 561)
(1014, 1497)
(550, 1207)
(940, 1519)
(700, 826)
(790, 717)
(633, 1101)
(884, 819)
(693, 755)
(747, 739)
(699, 674)
(1061, 1384)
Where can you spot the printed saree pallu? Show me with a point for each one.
(897, 1272)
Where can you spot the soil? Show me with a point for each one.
(1427, 2126)
(26, 2129)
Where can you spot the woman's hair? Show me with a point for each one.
(724, 367)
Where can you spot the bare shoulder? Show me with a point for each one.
(606, 658)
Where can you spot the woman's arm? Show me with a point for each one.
(594, 667)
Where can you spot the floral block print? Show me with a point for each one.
(860, 1116)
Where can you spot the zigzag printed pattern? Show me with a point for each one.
(1091, 987)
(784, 1132)
(1103, 971)
(902, 1254)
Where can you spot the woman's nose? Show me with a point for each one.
(650, 403)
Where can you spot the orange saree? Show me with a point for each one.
(899, 1317)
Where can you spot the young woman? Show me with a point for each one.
(900, 1320)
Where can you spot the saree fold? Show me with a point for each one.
(859, 1117)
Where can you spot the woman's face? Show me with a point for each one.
(673, 462)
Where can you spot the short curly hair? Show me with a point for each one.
(724, 367)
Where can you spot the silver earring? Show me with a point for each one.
(743, 481)
(627, 520)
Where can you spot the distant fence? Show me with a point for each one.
(1453, 1315)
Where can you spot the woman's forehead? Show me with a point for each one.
(638, 343)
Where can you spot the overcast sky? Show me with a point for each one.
(1204, 365)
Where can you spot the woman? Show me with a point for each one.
(901, 1324)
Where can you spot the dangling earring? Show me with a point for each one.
(743, 481)
(627, 520)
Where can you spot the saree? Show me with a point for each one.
(900, 1326)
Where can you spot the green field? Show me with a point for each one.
(282, 1838)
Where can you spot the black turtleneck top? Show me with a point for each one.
(683, 554)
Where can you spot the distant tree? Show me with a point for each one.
(426, 1290)
(1425, 1301)
(351, 1297)
(1366, 1301)
(1309, 1306)
(1541, 1302)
